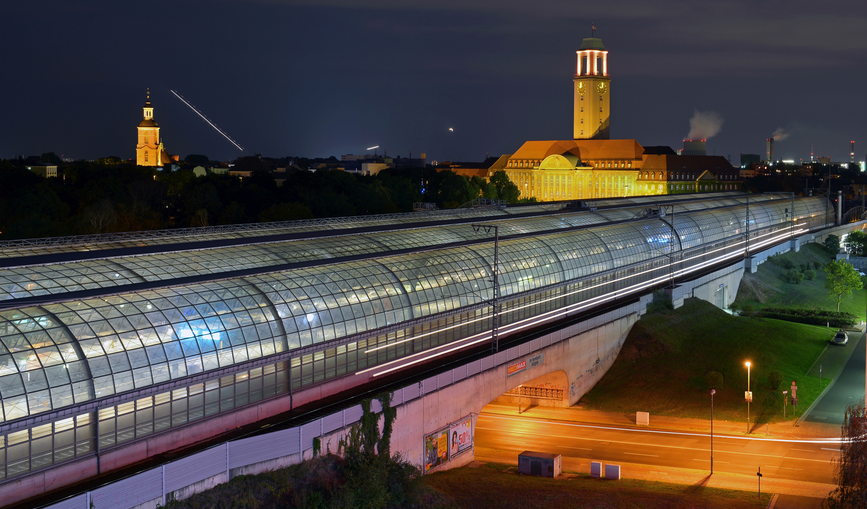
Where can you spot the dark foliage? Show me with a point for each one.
(851, 475)
(810, 316)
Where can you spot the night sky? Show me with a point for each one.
(318, 78)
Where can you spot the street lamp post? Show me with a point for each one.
(712, 392)
(749, 397)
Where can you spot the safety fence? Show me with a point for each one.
(538, 392)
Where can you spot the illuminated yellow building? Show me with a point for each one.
(150, 150)
(575, 169)
(591, 88)
(593, 166)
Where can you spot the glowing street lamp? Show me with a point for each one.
(748, 396)
(712, 392)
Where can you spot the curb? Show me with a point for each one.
(773, 501)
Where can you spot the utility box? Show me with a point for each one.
(612, 472)
(642, 418)
(539, 463)
(595, 469)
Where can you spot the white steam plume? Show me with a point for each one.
(780, 134)
(703, 125)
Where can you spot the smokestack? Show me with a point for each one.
(770, 150)
(694, 148)
(851, 152)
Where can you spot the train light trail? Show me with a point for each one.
(206, 119)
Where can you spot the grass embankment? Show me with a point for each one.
(768, 287)
(662, 366)
(499, 487)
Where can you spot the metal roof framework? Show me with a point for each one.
(70, 352)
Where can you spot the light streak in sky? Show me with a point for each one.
(371, 148)
(206, 119)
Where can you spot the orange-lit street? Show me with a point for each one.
(791, 462)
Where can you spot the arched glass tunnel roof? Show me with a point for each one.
(69, 352)
(34, 280)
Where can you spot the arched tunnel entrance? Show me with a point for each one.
(549, 390)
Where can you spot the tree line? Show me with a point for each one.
(111, 195)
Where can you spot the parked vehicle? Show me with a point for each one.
(841, 338)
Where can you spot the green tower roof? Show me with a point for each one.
(592, 43)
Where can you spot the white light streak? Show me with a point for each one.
(830, 440)
(371, 148)
(206, 119)
(401, 363)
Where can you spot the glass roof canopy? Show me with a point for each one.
(107, 273)
(64, 353)
(100, 242)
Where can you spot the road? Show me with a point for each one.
(797, 460)
(848, 389)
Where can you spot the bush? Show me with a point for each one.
(787, 264)
(837, 319)
(817, 265)
(832, 244)
(809, 275)
(747, 310)
(793, 276)
(775, 379)
(714, 379)
(661, 302)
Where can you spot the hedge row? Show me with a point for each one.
(810, 316)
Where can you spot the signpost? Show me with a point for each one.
(794, 397)
(785, 402)
(759, 474)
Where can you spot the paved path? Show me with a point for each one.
(796, 502)
(848, 388)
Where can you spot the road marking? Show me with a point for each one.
(787, 468)
(696, 459)
(659, 432)
(805, 450)
(826, 449)
(579, 448)
(639, 454)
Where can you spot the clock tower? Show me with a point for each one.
(591, 87)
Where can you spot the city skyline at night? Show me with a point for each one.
(457, 81)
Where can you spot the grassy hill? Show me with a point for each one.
(769, 288)
(664, 361)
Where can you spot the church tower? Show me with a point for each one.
(147, 152)
(591, 87)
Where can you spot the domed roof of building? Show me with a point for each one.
(148, 122)
(592, 43)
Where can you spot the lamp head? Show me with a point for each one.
(748, 363)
